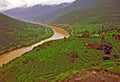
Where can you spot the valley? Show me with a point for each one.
(15, 34)
(68, 42)
(13, 54)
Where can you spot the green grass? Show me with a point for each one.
(93, 24)
(110, 65)
(51, 62)
(30, 34)
(89, 27)
(78, 29)
(15, 33)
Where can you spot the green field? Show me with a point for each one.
(51, 62)
(93, 24)
(56, 60)
(15, 33)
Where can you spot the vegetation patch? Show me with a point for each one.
(15, 34)
(49, 62)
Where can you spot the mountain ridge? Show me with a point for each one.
(62, 13)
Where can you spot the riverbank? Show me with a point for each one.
(21, 35)
(17, 47)
(10, 55)
(58, 60)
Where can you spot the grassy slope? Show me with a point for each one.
(88, 9)
(14, 33)
(99, 14)
(51, 62)
(93, 24)
(48, 62)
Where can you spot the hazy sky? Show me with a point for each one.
(9, 4)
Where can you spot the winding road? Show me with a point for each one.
(59, 33)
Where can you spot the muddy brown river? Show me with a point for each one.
(59, 33)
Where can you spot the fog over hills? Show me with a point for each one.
(74, 12)
(11, 4)
(88, 8)
(32, 13)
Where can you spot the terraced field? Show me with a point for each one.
(15, 33)
(93, 24)
(55, 61)
(49, 62)
(68, 59)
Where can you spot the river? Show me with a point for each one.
(59, 33)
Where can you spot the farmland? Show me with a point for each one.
(95, 23)
(49, 62)
(15, 34)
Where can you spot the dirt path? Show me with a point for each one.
(59, 33)
(94, 75)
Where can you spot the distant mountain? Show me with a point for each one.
(82, 9)
(67, 13)
(32, 13)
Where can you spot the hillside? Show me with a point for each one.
(63, 60)
(35, 12)
(89, 8)
(69, 59)
(90, 54)
(66, 13)
(15, 33)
